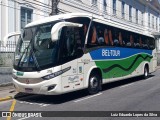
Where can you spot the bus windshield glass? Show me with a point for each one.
(35, 49)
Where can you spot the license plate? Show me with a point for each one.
(28, 90)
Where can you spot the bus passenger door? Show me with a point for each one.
(71, 79)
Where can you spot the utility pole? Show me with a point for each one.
(54, 7)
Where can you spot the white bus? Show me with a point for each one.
(69, 52)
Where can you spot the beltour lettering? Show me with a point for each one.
(106, 52)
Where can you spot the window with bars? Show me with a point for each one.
(137, 16)
(159, 25)
(153, 22)
(94, 2)
(142, 22)
(123, 9)
(105, 5)
(26, 16)
(130, 13)
(156, 23)
(149, 22)
(114, 7)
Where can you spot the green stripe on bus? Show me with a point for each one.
(123, 67)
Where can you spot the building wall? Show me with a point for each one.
(10, 14)
(0, 18)
(144, 8)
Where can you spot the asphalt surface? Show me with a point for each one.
(133, 94)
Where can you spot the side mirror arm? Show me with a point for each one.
(58, 26)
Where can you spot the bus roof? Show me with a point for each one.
(58, 17)
(96, 18)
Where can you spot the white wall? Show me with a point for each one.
(11, 17)
(4, 20)
(0, 20)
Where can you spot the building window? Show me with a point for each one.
(105, 5)
(156, 23)
(130, 13)
(142, 18)
(94, 2)
(26, 16)
(153, 22)
(159, 25)
(114, 7)
(123, 9)
(137, 16)
(149, 22)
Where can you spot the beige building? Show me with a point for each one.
(15, 14)
(139, 15)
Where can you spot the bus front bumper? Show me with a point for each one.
(50, 87)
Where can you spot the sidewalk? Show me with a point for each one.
(8, 92)
(158, 67)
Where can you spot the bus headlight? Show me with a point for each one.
(50, 76)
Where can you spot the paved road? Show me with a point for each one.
(127, 95)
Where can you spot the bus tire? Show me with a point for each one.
(146, 72)
(95, 83)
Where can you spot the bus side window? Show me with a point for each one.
(72, 43)
(120, 38)
(124, 37)
(152, 43)
(136, 41)
(94, 36)
(115, 37)
(140, 41)
(106, 37)
(100, 35)
(110, 37)
(145, 45)
(85, 29)
(131, 40)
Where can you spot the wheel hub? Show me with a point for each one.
(94, 82)
(146, 73)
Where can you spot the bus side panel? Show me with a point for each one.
(153, 64)
(120, 62)
(72, 79)
(89, 65)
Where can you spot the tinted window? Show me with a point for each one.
(71, 41)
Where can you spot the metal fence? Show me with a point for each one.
(7, 54)
(10, 47)
(6, 62)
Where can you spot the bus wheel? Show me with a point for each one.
(146, 72)
(95, 84)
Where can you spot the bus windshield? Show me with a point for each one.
(35, 49)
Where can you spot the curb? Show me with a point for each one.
(6, 84)
(13, 97)
(6, 98)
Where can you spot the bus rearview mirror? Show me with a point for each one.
(56, 29)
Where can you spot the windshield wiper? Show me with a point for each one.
(24, 52)
(32, 55)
